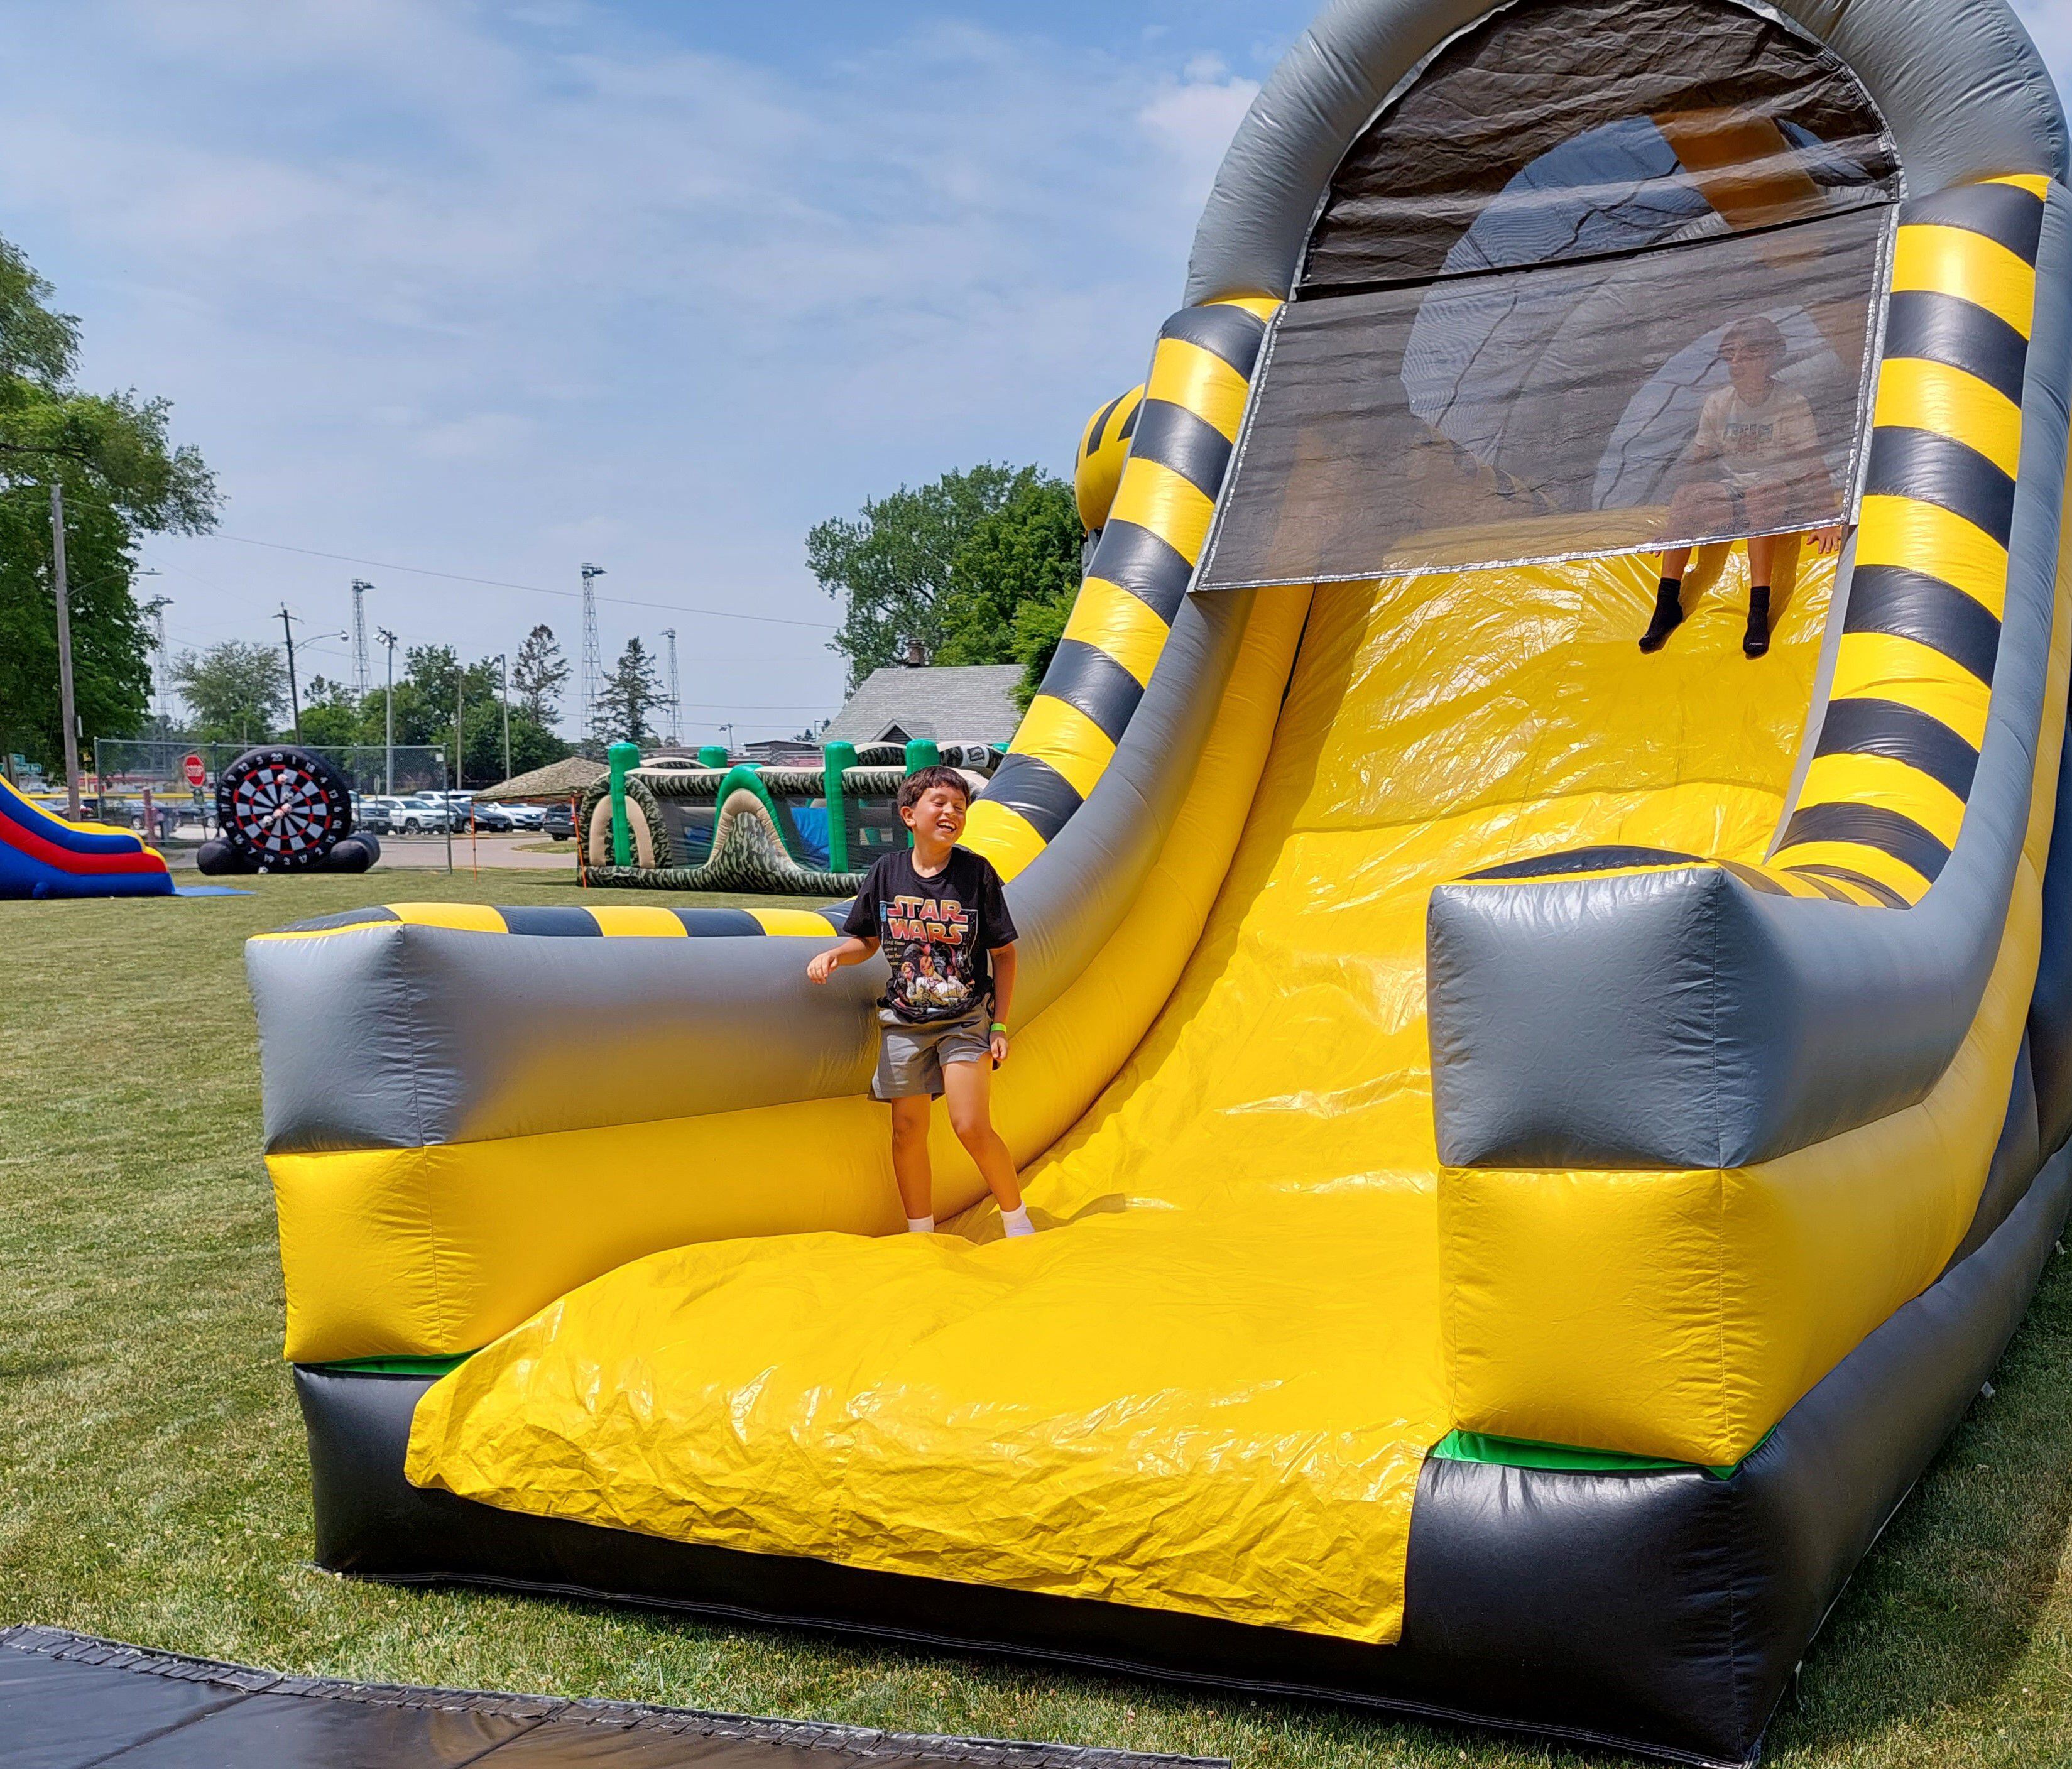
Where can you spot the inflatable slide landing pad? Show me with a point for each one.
(68, 1699)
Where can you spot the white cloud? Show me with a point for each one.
(486, 292)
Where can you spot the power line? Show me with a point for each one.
(536, 589)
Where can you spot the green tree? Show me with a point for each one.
(331, 718)
(1014, 581)
(538, 674)
(122, 478)
(237, 693)
(895, 568)
(629, 692)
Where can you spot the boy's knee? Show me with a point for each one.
(910, 1125)
(974, 1129)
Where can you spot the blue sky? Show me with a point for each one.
(493, 289)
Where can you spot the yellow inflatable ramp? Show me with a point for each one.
(1211, 1385)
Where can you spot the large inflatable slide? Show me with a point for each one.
(1535, 1142)
(43, 854)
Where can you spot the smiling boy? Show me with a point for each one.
(940, 913)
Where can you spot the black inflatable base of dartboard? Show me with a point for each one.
(218, 858)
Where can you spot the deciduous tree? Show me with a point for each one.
(123, 478)
(237, 692)
(895, 567)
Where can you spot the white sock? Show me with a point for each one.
(1017, 1219)
(921, 1225)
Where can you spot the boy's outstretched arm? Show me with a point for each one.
(852, 951)
(1003, 997)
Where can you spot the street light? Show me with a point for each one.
(389, 713)
(503, 661)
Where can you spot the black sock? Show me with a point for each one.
(1668, 614)
(1756, 641)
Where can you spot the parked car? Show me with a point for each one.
(376, 814)
(560, 821)
(526, 816)
(421, 816)
(488, 819)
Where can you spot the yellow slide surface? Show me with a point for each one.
(1209, 1385)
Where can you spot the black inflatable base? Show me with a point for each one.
(353, 853)
(71, 1700)
(1659, 1613)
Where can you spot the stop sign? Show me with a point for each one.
(197, 776)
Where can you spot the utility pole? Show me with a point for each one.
(592, 667)
(294, 694)
(67, 708)
(388, 716)
(504, 660)
(676, 701)
(361, 586)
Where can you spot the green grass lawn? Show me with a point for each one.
(153, 1485)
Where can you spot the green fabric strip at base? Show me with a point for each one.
(1559, 1458)
(397, 1366)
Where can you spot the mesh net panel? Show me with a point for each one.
(1515, 334)
(1555, 413)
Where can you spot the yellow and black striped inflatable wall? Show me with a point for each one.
(1185, 429)
(1885, 796)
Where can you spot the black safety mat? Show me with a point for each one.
(71, 1701)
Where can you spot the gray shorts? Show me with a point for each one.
(910, 1057)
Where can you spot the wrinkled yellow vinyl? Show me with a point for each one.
(1209, 1386)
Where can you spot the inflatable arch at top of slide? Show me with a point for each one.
(1536, 1143)
(42, 854)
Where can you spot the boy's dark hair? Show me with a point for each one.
(919, 782)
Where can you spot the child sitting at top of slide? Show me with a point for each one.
(940, 913)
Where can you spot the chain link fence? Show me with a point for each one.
(130, 773)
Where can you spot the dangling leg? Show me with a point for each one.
(1762, 556)
(1668, 600)
(1697, 509)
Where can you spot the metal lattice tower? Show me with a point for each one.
(161, 675)
(360, 671)
(676, 701)
(593, 666)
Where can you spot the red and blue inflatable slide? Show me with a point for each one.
(43, 855)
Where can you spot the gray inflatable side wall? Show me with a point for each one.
(2050, 1010)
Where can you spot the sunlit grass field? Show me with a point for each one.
(152, 1482)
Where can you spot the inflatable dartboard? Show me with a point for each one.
(282, 810)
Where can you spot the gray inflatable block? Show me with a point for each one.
(1674, 1019)
(394, 1036)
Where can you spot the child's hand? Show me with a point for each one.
(821, 965)
(998, 1046)
(1828, 540)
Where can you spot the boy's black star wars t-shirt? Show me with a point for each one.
(938, 933)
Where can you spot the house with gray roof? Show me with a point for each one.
(965, 702)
